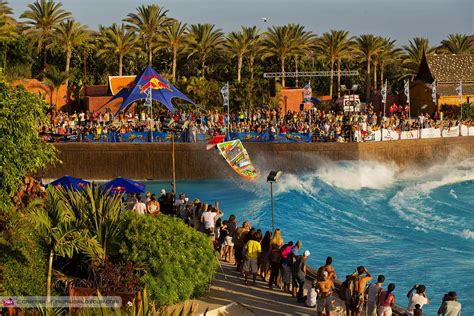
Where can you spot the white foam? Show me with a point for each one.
(468, 234)
(354, 175)
(453, 194)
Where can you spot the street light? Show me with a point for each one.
(273, 177)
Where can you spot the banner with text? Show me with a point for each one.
(430, 132)
(413, 134)
(389, 135)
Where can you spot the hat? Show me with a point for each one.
(162, 191)
(196, 201)
(306, 253)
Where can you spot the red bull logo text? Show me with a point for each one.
(155, 84)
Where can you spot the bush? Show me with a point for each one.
(22, 259)
(178, 261)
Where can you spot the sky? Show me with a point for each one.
(398, 19)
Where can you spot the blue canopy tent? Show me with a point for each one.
(68, 182)
(123, 185)
(161, 89)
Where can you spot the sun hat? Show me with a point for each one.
(306, 253)
(162, 191)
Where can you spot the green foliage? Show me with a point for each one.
(178, 261)
(22, 258)
(22, 151)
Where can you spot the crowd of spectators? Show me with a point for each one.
(283, 265)
(323, 126)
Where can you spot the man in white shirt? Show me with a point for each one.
(139, 207)
(373, 293)
(208, 218)
(418, 298)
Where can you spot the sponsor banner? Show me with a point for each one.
(134, 137)
(467, 131)
(102, 138)
(271, 137)
(413, 134)
(430, 133)
(374, 136)
(450, 132)
(388, 135)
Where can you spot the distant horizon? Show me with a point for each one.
(400, 20)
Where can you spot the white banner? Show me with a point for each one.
(388, 135)
(430, 133)
(409, 134)
(374, 136)
(450, 132)
(467, 131)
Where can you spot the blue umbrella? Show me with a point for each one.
(68, 182)
(315, 100)
(122, 185)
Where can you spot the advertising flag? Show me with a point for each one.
(148, 98)
(384, 93)
(459, 90)
(407, 90)
(433, 91)
(225, 94)
(307, 92)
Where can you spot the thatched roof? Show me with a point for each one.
(448, 68)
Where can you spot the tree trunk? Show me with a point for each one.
(331, 78)
(338, 78)
(68, 62)
(150, 54)
(283, 72)
(251, 61)
(375, 76)
(367, 84)
(57, 97)
(382, 68)
(203, 66)
(175, 56)
(44, 56)
(120, 64)
(239, 67)
(296, 70)
(48, 284)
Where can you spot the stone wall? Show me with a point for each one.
(153, 161)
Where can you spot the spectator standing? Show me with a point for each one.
(416, 296)
(373, 293)
(450, 305)
(386, 301)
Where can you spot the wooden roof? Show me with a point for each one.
(449, 68)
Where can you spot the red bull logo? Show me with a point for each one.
(155, 84)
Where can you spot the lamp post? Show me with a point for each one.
(273, 177)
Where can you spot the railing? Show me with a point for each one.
(265, 137)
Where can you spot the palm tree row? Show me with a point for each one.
(150, 30)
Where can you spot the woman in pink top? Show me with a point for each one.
(386, 301)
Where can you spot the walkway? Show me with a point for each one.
(228, 287)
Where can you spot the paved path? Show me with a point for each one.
(257, 299)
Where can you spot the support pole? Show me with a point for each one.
(273, 209)
(174, 168)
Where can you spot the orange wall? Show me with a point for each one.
(37, 87)
(291, 98)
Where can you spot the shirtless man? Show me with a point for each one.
(360, 281)
(328, 268)
(324, 287)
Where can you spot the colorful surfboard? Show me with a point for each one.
(237, 157)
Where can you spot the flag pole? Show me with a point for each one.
(228, 112)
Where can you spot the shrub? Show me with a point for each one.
(22, 259)
(178, 261)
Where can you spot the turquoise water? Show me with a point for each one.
(414, 226)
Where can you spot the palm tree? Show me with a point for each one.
(175, 37)
(118, 41)
(204, 42)
(254, 48)
(302, 43)
(54, 79)
(388, 55)
(414, 53)
(68, 35)
(61, 230)
(279, 42)
(367, 46)
(148, 22)
(43, 16)
(457, 44)
(7, 23)
(100, 212)
(335, 46)
(237, 43)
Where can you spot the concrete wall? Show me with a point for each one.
(153, 161)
